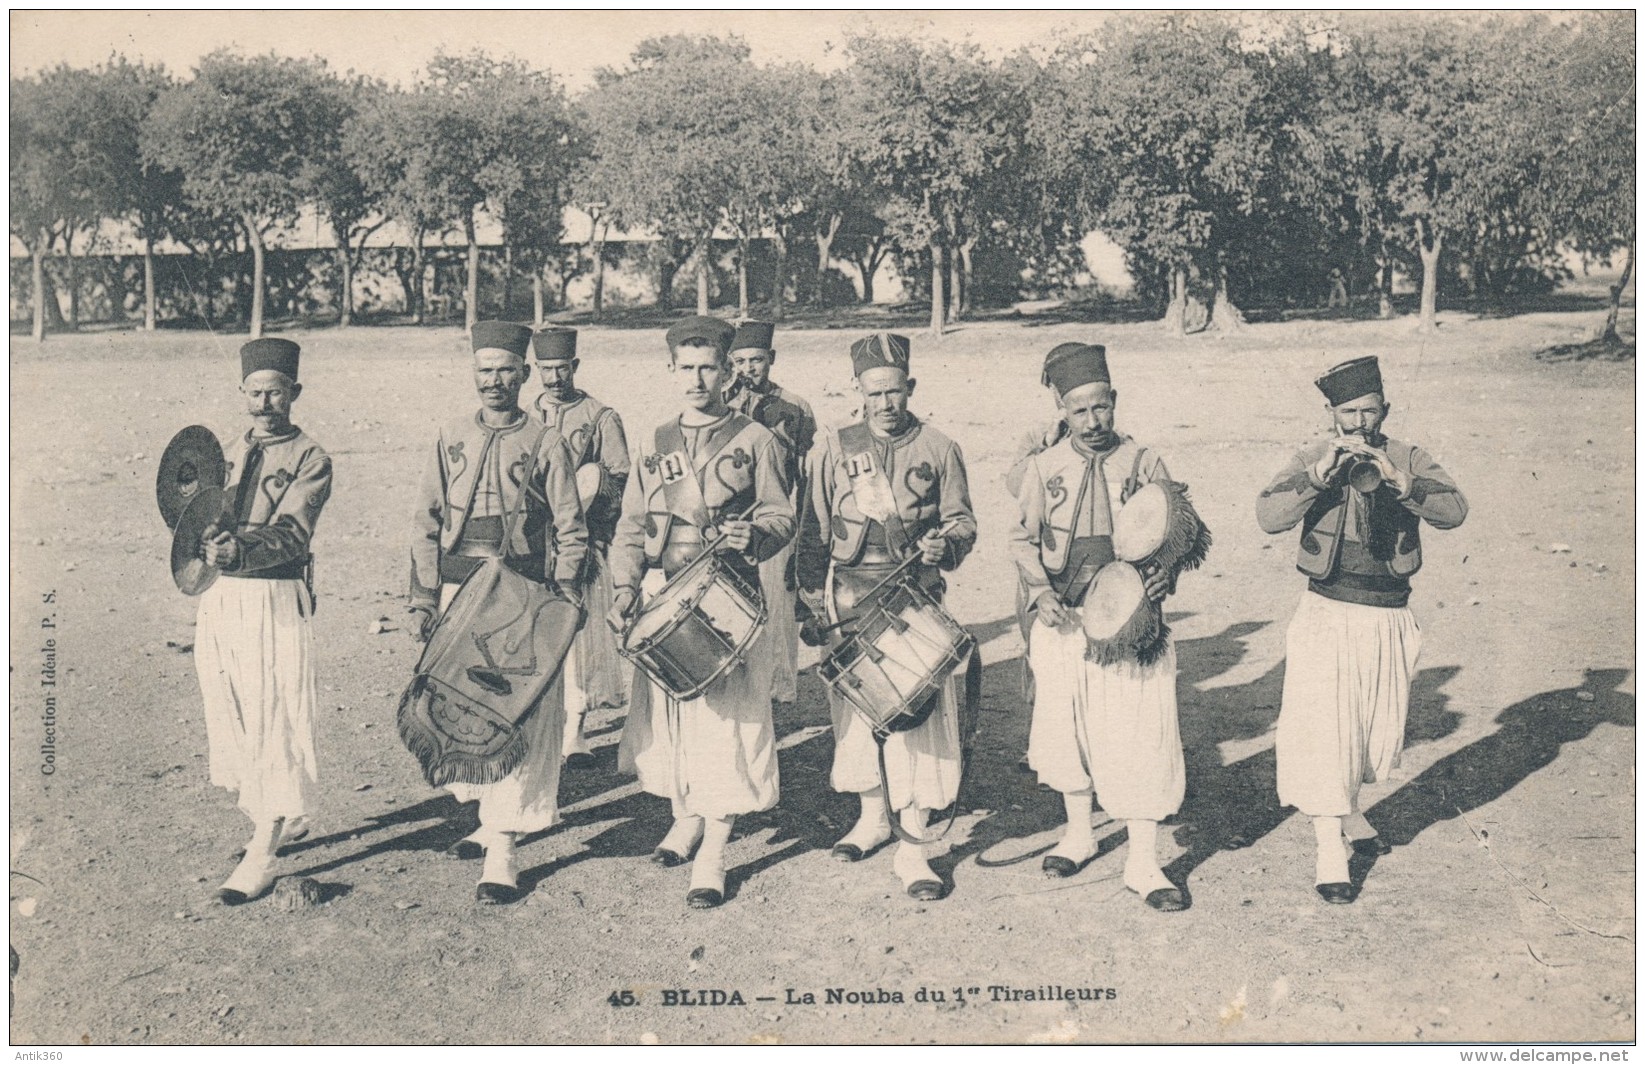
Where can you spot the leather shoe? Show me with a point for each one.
(465, 850)
(1371, 847)
(231, 897)
(489, 894)
(667, 858)
(703, 898)
(579, 760)
(1338, 893)
(1056, 867)
(1167, 900)
(926, 890)
(847, 852)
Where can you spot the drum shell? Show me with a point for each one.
(709, 620)
(924, 645)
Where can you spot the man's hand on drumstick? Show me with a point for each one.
(623, 601)
(933, 545)
(739, 535)
(1050, 609)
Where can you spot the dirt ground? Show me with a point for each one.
(1505, 912)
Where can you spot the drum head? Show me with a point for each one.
(193, 461)
(672, 601)
(1115, 599)
(1141, 525)
(188, 569)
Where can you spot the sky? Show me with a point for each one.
(394, 45)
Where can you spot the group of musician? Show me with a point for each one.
(822, 523)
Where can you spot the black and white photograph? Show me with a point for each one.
(838, 527)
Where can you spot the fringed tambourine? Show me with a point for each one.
(1157, 527)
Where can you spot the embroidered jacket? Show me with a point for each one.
(926, 475)
(1066, 501)
(550, 539)
(1357, 547)
(277, 487)
(788, 417)
(593, 434)
(735, 467)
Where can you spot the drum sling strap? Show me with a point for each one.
(870, 484)
(682, 489)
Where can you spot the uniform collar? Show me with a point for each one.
(513, 427)
(290, 434)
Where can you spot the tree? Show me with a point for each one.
(663, 131)
(1163, 138)
(148, 194)
(336, 186)
(927, 125)
(241, 133)
(38, 202)
(1586, 193)
(395, 146)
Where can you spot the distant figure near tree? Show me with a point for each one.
(1339, 289)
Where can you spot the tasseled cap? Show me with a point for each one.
(554, 343)
(1351, 380)
(1086, 364)
(509, 336)
(879, 349)
(753, 335)
(269, 353)
(700, 327)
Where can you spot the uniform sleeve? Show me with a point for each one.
(816, 507)
(1025, 535)
(426, 520)
(1289, 495)
(1434, 496)
(959, 521)
(612, 444)
(627, 554)
(773, 514)
(559, 489)
(285, 537)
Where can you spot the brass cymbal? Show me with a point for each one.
(188, 569)
(192, 461)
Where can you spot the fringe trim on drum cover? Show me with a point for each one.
(1142, 640)
(1187, 540)
(441, 767)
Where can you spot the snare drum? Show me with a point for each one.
(695, 629)
(897, 658)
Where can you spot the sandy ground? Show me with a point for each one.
(1505, 912)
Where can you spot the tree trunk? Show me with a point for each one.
(1225, 317)
(779, 279)
(74, 283)
(599, 277)
(965, 274)
(825, 246)
(1610, 335)
(149, 313)
(345, 295)
(1176, 311)
(415, 295)
(471, 286)
(867, 268)
(665, 285)
(38, 255)
(257, 268)
(537, 297)
(508, 277)
(956, 290)
(1429, 243)
(702, 274)
(937, 307)
(742, 276)
(1385, 285)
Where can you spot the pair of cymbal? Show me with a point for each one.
(192, 500)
